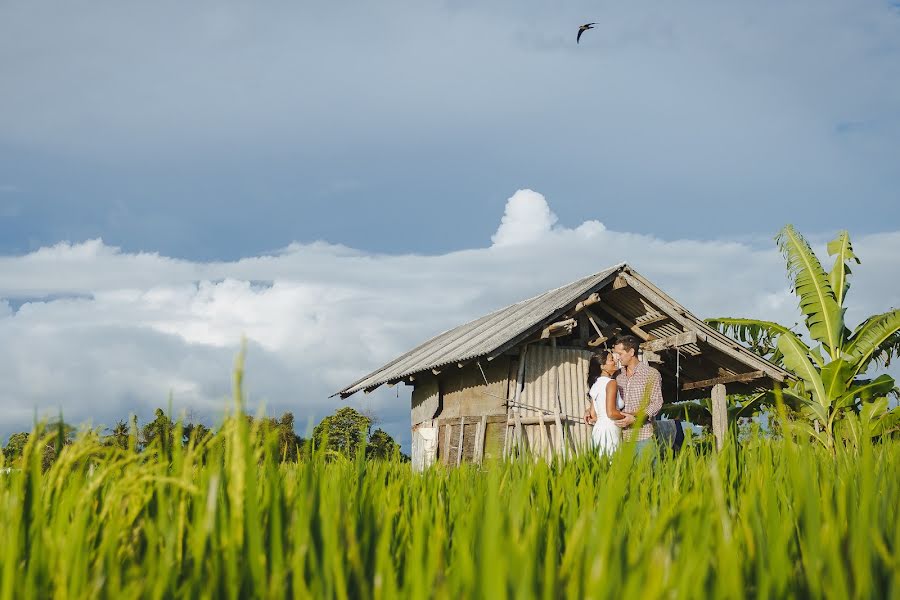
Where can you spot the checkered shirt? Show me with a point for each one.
(632, 389)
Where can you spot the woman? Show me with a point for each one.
(605, 403)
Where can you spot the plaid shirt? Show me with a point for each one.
(632, 390)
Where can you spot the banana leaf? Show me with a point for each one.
(824, 316)
(876, 339)
(839, 278)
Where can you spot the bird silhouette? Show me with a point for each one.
(582, 29)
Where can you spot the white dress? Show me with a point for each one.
(606, 434)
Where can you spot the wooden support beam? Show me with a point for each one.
(479, 439)
(543, 439)
(518, 432)
(547, 418)
(505, 441)
(619, 282)
(738, 378)
(714, 339)
(680, 339)
(459, 445)
(448, 428)
(594, 319)
(559, 328)
(652, 320)
(596, 341)
(560, 443)
(626, 322)
(592, 299)
(719, 415)
(651, 357)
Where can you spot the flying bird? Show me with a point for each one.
(582, 29)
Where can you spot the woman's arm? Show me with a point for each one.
(590, 415)
(611, 408)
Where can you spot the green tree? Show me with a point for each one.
(14, 446)
(289, 443)
(831, 379)
(381, 446)
(198, 430)
(342, 432)
(161, 430)
(118, 436)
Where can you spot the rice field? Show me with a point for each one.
(223, 517)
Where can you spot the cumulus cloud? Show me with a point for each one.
(527, 218)
(101, 333)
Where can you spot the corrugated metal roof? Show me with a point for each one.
(483, 336)
(508, 326)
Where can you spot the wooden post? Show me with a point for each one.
(448, 431)
(505, 440)
(518, 433)
(544, 442)
(459, 445)
(719, 415)
(560, 448)
(479, 439)
(510, 444)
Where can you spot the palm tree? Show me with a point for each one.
(831, 372)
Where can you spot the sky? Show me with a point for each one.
(337, 182)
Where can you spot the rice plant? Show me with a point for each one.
(223, 517)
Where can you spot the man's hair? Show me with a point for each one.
(629, 342)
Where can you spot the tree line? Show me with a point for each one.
(346, 432)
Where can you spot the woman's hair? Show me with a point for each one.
(595, 367)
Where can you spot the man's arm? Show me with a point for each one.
(656, 399)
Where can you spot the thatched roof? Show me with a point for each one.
(624, 298)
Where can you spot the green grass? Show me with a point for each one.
(223, 518)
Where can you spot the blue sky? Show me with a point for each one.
(200, 140)
(226, 129)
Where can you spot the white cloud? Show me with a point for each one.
(117, 332)
(527, 218)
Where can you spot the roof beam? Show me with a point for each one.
(558, 329)
(739, 377)
(673, 341)
(596, 341)
(652, 320)
(592, 299)
(725, 344)
(593, 319)
(625, 321)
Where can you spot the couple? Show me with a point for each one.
(619, 384)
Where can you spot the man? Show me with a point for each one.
(638, 384)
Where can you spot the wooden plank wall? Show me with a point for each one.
(550, 371)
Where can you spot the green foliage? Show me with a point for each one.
(344, 432)
(827, 388)
(769, 518)
(289, 443)
(161, 430)
(824, 316)
(699, 412)
(382, 446)
(118, 436)
(15, 446)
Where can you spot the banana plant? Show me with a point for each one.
(830, 372)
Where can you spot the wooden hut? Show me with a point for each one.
(515, 380)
